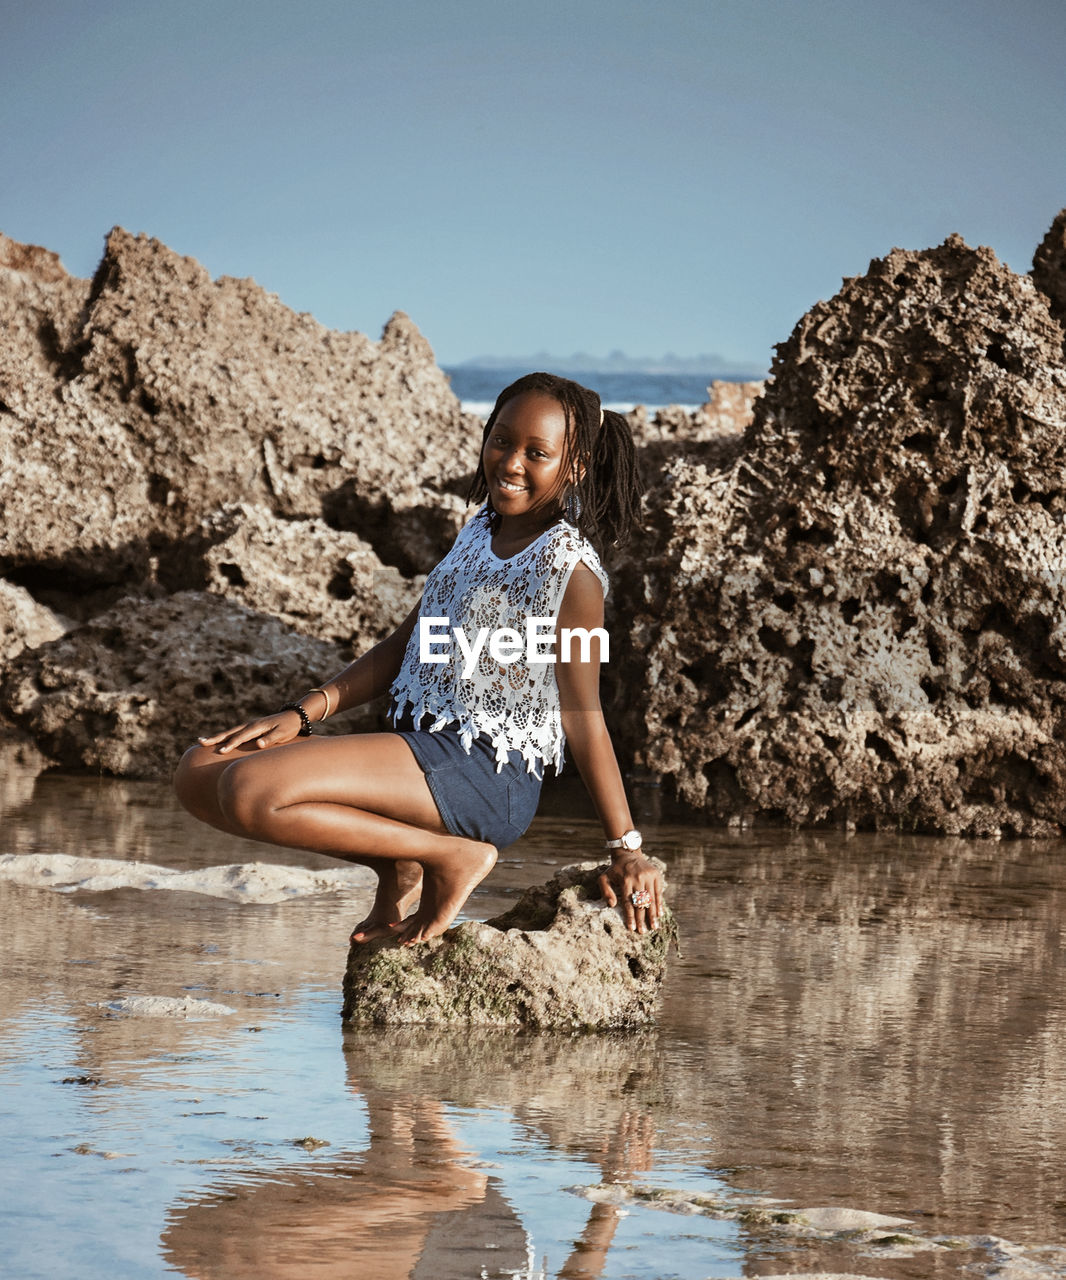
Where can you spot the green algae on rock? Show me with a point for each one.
(559, 958)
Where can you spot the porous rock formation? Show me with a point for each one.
(134, 406)
(862, 619)
(559, 958)
(160, 433)
(1049, 267)
(25, 624)
(713, 433)
(130, 689)
(317, 580)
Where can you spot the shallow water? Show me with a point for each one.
(874, 1023)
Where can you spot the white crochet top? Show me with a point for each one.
(515, 702)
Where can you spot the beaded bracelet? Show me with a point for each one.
(305, 722)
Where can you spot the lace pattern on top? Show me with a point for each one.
(516, 704)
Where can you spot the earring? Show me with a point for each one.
(572, 506)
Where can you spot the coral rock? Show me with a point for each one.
(1049, 267)
(130, 690)
(315, 579)
(24, 623)
(860, 620)
(559, 958)
(31, 260)
(712, 433)
(134, 407)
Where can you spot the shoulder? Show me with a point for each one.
(583, 594)
(478, 524)
(572, 551)
(474, 531)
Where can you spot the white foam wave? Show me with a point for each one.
(257, 882)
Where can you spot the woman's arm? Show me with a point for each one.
(369, 676)
(591, 749)
(361, 681)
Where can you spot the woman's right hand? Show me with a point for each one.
(267, 731)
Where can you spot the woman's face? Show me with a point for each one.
(524, 456)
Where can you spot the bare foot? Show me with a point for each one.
(447, 886)
(399, 888)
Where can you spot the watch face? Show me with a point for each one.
(631, 840)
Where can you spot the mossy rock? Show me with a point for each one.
(559, 958)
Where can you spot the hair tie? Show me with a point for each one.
(601, 415)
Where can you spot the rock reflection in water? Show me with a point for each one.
(880, 1022)
(415, 1205)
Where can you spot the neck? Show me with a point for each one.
(515, 528)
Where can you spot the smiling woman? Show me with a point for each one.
(428, 805)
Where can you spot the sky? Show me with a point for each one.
(683, 176)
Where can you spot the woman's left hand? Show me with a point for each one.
(639, 883)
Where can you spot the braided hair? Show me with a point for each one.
(609, 487)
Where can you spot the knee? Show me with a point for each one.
(190, 780)
(242, 800)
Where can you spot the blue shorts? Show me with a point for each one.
(472, 798)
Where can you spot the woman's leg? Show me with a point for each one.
(358, 797)
(399, 883)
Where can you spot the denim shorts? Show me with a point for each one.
(472, 798)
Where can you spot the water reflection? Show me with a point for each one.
(416, 1203)
(20, 764)
(382, 1214)
(882, 1023)
(866, 1021)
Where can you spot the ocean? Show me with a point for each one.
(478, 388)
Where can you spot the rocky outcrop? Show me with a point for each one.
(861, 619)
(161, 432)
(314, 579)
(127, 692)
(559, 958)
(1049, 267)
(847, 611)
(31, 260)
(713, 433)
(25, 624)
(136, 406)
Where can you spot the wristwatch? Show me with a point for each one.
(630, 840)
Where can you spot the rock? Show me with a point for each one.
(166, 1007)
(137, 406)
(1049, 267)
(130, 690)
(728, 412)
(31, 260)
(860, 619)
(839, 1218)
(731, 406)
(713, 433)
(559, 958)
(317, 580)
(24, 623)
(40, 312)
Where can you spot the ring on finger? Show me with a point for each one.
(640, 898)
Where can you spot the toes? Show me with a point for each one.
(414, 930)
(409, 934)
(368, 932)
